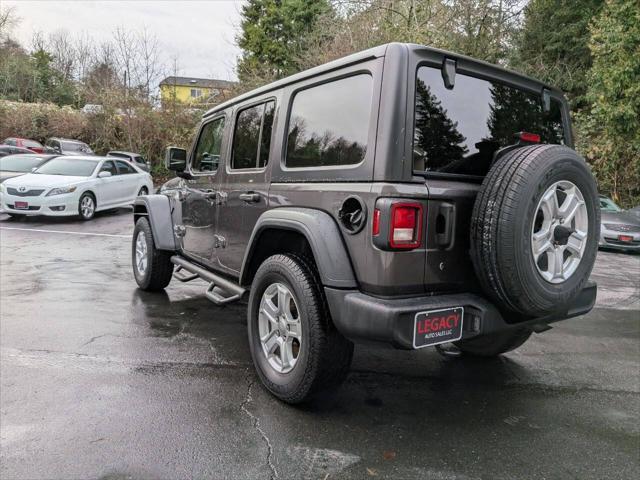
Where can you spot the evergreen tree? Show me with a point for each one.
(553, 44)
(274, 33)
(611, 128)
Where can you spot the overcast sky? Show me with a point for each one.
(199, 33)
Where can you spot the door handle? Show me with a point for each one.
(250, 197)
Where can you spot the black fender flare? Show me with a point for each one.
(157, 208)
(323, 235)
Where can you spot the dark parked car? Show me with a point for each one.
(11, 150)
(402, 195)
(620, 229)
(134, 158)
(24, 143)
(66, 146)
(16, 165)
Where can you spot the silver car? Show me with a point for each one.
(619, 229)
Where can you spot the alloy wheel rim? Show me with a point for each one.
(141, 253)
(87, 207)
(280, 327)
(559, 232)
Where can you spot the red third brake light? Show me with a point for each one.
(406, 225)
(529, 137)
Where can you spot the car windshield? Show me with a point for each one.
(75, 147)
(20, 163)
(457, 130)
(608, 205)
(68, 166)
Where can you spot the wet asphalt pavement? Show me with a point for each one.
(101, 380)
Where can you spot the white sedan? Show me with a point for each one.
(74, 186)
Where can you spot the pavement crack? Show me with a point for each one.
(256, 425)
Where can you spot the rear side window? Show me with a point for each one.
(329, 123)
(207, 156)
(124, 168)
(457, 131)
(252, 136)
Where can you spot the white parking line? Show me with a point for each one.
(68, 233)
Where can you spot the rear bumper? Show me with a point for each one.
(359, 316)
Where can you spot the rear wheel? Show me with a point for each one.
(494, 344)
(295, 347)
(152, 268)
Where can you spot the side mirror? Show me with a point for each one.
(104, 174)
(175, 159)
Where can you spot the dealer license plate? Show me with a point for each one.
(21, 206)
(437, 326)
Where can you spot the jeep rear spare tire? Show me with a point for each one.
(535, 228)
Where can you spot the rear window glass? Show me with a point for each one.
(329, 123)
(32, 144)
(252, 136)
(457, 131)
(20, 163)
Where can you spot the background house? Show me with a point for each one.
(204, 91)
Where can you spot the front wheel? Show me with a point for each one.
(87, 206)
(295, 347)
(152, 268)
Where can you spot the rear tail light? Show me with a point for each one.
(405, 230)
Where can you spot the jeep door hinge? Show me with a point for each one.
(179, 230)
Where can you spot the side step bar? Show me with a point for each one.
(218, 286)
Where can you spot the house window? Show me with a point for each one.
(196, 93)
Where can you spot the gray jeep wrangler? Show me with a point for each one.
(403, 195)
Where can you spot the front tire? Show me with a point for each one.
(295, 347)
(86, 206)
(152, 268)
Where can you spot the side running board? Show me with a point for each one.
(220, 291)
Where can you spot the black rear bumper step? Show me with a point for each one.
(359, 316)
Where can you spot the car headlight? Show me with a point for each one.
(61, 190)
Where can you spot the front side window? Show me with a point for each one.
(252, 136)
(329, 123)
(207, 156)
(110, 167)
(457, 131)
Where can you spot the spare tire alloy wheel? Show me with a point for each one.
(280, 327)
(559, 232)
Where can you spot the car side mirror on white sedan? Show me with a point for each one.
(104, 174)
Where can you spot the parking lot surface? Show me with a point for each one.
(101, 380)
